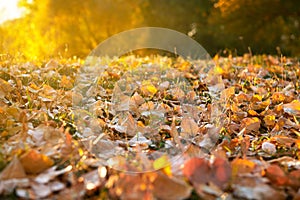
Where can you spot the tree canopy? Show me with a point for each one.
(73, 27)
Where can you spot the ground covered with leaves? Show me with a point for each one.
(255, 155)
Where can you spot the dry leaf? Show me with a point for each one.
(200, 171)
(270, 120)
(41, 190)
(292, 108)
(5, 88)
(250, 124)
(228, 93)
(189, 128)
(241, 166)
(170, 188)
(161, 162)
(148, 89)
(66, 82)
(14, 170)
(35, 162)
(276, 175)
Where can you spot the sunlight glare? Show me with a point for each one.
(9, 10)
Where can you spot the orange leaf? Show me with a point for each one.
(251, 124)
(276, 175)
(269, 120)
(241, 166)
(35, 162)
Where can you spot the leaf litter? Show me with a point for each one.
(255, 156)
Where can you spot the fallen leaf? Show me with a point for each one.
(276, 175)
(170, 188)
(269, 120)
(14, 170)
(228, 93)
(189, 128)
(50, 174)
(241, 166)
(278, 97)
(66, 82)
(250, 124)
(148, 89)
(200, 171)
(92, 180)
(35, 162)
(161, 162)
(5, 88)
(292, 108)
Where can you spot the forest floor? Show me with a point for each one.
(254, 154)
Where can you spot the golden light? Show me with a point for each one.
(9, 10)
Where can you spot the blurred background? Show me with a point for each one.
(50, 28)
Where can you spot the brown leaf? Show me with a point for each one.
(170, 188)
(189, 128)
(200, 171)
(292, 108)
(13, 170)
(5, 88)
(131, 125)
(294, 179)
(228, 93)
(250, 124)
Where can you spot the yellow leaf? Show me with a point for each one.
(35, 162)
(168, 170)
(33, 88)
(13, 111)
(278, 97)
(256, 98)
(219, 70)
(148, 88)
(65, 82)
(161, 162)
(269, 120)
